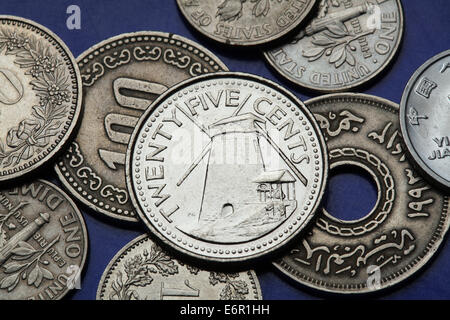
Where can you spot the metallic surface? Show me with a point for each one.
(143, 271)
(345, 46)
(43, 242)
(226, 167)
(245, 23)
(121, 77)
(40, 96)
(402, 231)
(425, 118)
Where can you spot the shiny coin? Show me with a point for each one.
(143, 271)
(121, 77)
(405, 227)
(345, 46)
(40, 96)
(245, 23)
(425, 120)
(43, 242)
(226, 167)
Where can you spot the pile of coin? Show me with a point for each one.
(225, 169)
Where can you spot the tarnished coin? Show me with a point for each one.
(226, 167)
(143, 271)
(43, 242)
(425, 118)
(121, 77)
(40, 96)
(405, 227)
(345, 46)
(245, 23)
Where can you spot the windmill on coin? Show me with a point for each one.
(239, 192)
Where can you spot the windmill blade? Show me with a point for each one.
(198, 124)
(195, 163)
(288, 161)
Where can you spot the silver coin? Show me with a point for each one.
(43, 242)
(403, 230)
(424, 118)
(40, 96)
(121, 77)
(226, 167)
(245, 23)
(345, 46)
(143, 271)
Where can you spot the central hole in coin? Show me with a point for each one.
(351, 193)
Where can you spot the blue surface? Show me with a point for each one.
(427, 33)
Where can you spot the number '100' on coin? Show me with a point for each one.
(226, 167)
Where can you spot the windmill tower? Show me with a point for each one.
(234, 161)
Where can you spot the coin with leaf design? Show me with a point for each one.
(245, 23)
(40, 96)
(43, 242)
(346, 45)
(144, 271)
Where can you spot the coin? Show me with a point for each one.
(404, 229)
(424, 118)
(226, 167)
(40, 96)
(43, 242)
(121, 77)
(143, 271)
(245, 23)
(345, 46)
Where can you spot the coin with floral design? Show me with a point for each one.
(40, 96)
(143, 271)
(43, 242)
(346, 45)
(245, 23)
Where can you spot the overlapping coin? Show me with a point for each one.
(40, 96)
(245, 23)
(348, 44)
(143, 271)
(226, 167)
(404, 229)
(43, 242)
(121, 77)
(425, 120)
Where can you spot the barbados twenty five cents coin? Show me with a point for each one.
(425, 118)
(43, 242)
(40, 96)
(245, 23)
(404, 229)
(143, 271)
(346, 45)
(226, 167)
(121, 77)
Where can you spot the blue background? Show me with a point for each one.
(427, 33)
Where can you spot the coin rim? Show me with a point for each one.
(413, 267)
(379, 71)
(416, 159)
(67, 185)
(244, 44)
(249, 257)
(78, 108)
(133, 244)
